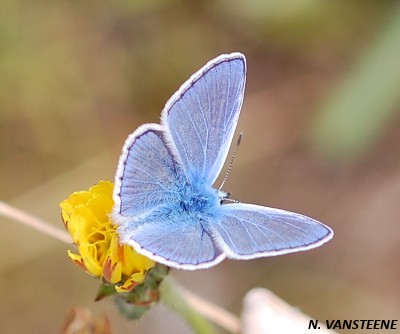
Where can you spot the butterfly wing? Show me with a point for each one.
(249, 231)
(146, 174)
(147, 196)
(191, 144)
(176, 240)
(200, 118)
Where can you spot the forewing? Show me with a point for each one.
(249, 231)
(177, 241)
(146, 174)
(201, 117)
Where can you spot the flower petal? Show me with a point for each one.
(86, 218)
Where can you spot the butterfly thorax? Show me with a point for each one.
(199, 199)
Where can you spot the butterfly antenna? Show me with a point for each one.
(232, 158)
(231, 200)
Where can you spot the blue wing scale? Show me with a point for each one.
(249, 231)
(179, 241)
(146, 173)
(201, 117)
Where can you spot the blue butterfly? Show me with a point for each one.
(165, 203)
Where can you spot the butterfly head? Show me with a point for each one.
(222, 195)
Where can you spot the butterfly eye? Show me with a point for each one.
(223, 196)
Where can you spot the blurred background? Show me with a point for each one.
(320, 122)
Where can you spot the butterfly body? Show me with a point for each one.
(165, 202)
(198, 201)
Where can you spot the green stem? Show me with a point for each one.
(171, 296)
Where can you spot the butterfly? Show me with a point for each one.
(165, 204)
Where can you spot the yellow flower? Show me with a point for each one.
(86, 218)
